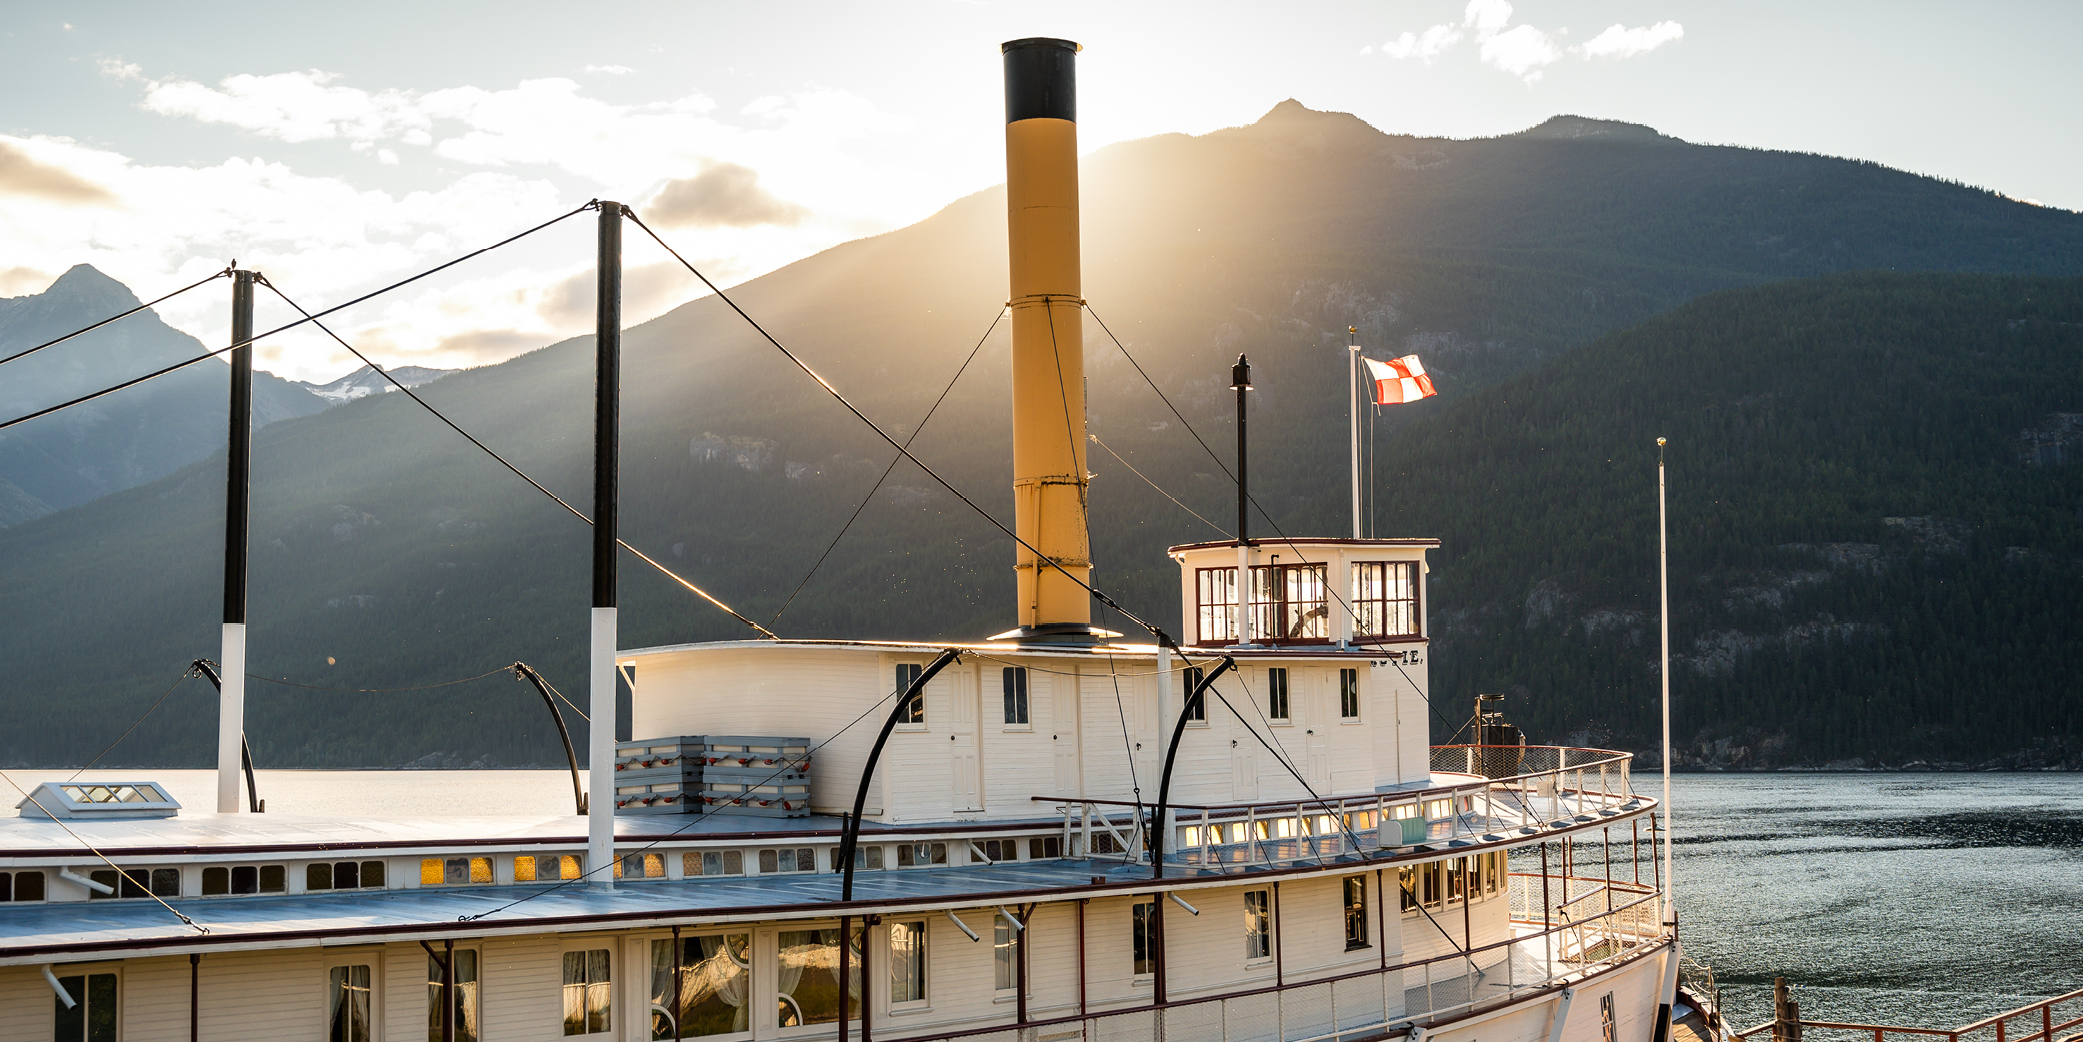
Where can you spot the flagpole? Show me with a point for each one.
(1352, 408)
(1663, 575)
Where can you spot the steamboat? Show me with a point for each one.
(1054, 833)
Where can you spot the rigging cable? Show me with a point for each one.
(189, 672)
(1162, 637)
(395, 382)
(121, 874)
(1155, 485)
(308, 318)
(886, 471)
(112, 318)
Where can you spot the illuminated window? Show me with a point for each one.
(711, 989)
(454, 871)
(529, 868)
(907, 962)
(640, 866)
(807, 991)
(713, 863)
(349, 1003)
(1385, 599)
(1217, 599)
(1003, 967)
(1407, 883)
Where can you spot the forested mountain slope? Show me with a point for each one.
(389, 553)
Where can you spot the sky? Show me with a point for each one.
(337, 148)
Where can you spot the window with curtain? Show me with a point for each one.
(1215, 617)
(348, 1004)
(1004, 968)
(908, 962)
(1258, 932)
(588, 992)
(92, 1017)
(464, 1001)
(1385, 599)
(806, 982)
(710, 997)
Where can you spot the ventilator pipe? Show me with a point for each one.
(1181, 902)
(99, 888)
(962, 926)
(1014, 920)
(63, 995)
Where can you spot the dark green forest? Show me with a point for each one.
(1543, 277)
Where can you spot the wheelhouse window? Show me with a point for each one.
(1356, 913)
(589, 992)
(1385, 599)
(462, 1005)
(1216, 597)
(1258, 934)
(907, 962)
(1144, 931)
(914, 710)
(92, 1015)
(1276, 693)
(1348, 694)
(1289, 602)
(711, 991)
(1016, 695)
(807, 977)
(1196, 712)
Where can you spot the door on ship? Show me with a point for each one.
(1063, 731)
(962, 742)
(1243, 762)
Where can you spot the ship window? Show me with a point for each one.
(640, 866)
(1258, 937)
(1217, 603)
(911, 855)
(21, 886)
(1407, 884)
(1044, 846)
(588, 991)
(1385, 599)
(531, 869)
(1197, 711)
(996, 850)
(907, 962)
(1349, 694)
(1356, 913)
(787, 859)
(348, 1004)
(464, 1004)
(807, 988)
(1141, 928)
(711, 988)
(1016, 695)
(915, 711)
(1429, 877)
(1289, 602)
(1457, 877)
(1004, 970)
(245, 879)
(868, 858)
(343, 875)
(713, 863)
(133, 882)
(1276, 693)
(92, 1017)
(435, 871)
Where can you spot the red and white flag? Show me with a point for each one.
(1400, 381)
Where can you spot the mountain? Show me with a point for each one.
(366, 381)
(389, 553)
(127, 438)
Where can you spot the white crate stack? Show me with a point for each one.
(755, 775)
(660, 775)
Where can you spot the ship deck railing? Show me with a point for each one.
(1499, 796)
(2042, 1021)
(1386, 1001)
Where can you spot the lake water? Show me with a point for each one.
(1927, 900)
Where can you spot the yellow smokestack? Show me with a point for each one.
(1041, 195)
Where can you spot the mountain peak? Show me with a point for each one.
(86, 285)
(1569, 128)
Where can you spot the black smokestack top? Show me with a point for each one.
(1041, 80)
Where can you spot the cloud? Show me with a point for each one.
(1424, 47)
(291, 106)
(1521, 50)
(723, 195)
(20, 174)
(1618, 41)
(612, 70)
(1487, 17)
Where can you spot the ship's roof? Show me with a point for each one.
(988, 649)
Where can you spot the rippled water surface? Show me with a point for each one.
(1918, 899)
